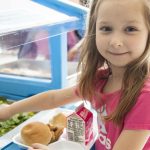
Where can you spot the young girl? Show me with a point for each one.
(114, 77)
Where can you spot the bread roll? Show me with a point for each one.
(60, 120)
(36, 132)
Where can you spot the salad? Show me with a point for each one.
(8, 125)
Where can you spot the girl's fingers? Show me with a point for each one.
(38, 146)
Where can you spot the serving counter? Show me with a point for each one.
(33, 45)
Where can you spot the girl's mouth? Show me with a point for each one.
(118, 54)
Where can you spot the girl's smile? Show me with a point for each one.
(118, 54)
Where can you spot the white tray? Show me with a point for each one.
(44, 117)
(60, 144)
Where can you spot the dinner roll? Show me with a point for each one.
(60, 120)
(36, 132)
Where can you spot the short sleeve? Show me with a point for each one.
(139, 116)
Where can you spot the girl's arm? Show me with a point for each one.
(46, 100)
(75, 50)
(132, 140)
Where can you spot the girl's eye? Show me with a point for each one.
(130, 29)
(106, 29)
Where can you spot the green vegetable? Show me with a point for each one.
(11, 123)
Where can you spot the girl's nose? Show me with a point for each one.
(116, 42)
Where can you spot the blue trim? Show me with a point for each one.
(11, 146)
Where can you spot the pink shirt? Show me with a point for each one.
(138, 118)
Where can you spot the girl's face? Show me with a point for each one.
(121, 31)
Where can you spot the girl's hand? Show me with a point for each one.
(5, 112)
(37, 146)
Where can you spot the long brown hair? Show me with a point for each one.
(91, 60)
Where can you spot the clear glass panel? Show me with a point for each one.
(25, 53)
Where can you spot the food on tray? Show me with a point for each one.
(36, 132)
(6, 126)
(60, 120)
(25, 72)
(3, 100)
(56, 132)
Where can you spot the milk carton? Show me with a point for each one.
(80, 125)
